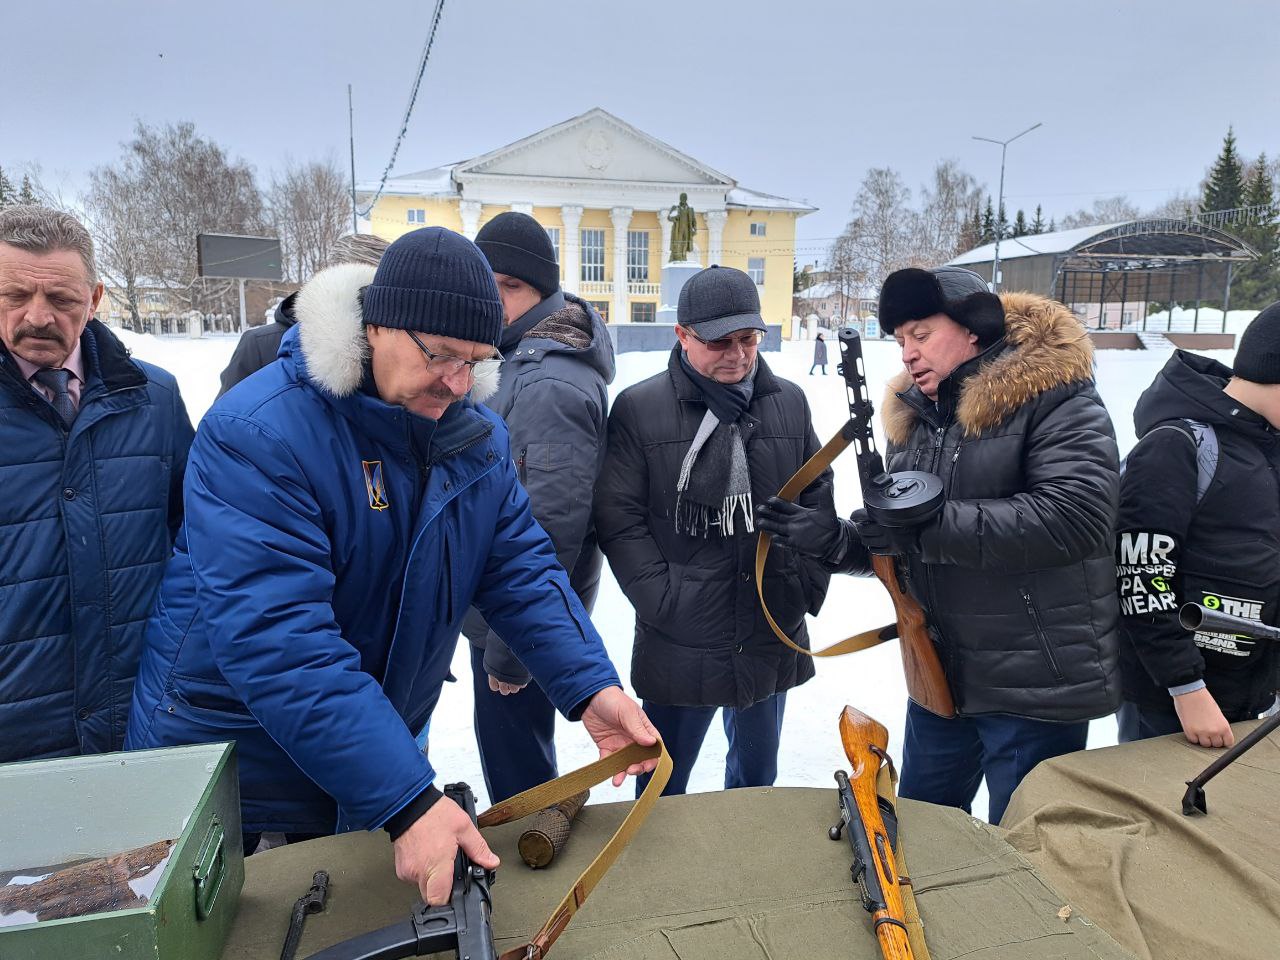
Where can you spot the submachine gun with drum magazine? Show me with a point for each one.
(1193, 616)
(902, 499)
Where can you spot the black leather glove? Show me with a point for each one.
(887, 541)
(815, 533)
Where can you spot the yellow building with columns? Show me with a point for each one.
(602, 189)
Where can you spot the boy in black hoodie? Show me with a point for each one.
(1200, 523)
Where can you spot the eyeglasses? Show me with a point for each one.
(445, 364)
(752, 339)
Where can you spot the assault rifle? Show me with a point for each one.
(871, 825)
(461, 925)
(1193, 616)
(895, 500)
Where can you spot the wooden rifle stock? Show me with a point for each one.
(866, 743)
(926, 681)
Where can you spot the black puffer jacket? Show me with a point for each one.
(701, 639)
(1016, 573)
(258, 346)
(1223, 550)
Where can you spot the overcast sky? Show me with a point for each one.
(798, 99)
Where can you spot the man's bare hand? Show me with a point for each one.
(425, 852)
(1202, 720)
(504, 688)
(614, 721)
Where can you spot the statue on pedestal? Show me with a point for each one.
(683, 227)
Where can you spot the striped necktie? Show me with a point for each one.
(55, 381)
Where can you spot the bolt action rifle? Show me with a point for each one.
(871, 825)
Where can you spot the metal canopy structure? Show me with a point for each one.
(1135, 262)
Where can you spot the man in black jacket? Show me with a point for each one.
(690, 450)
(258, 346)
(1200, 523)
(554, 397)
(1015, 572)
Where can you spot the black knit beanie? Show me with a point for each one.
(435, 281)
(913, 294)
(517, 245)
(1258, 357)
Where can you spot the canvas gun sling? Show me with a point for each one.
(808, 473)
(562, 788)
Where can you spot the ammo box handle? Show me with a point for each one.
(210, 869)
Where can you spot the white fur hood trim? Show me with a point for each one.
(331, 331)
(331, 328)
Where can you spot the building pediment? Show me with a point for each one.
(595, 146)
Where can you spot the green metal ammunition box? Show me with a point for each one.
(76, 808)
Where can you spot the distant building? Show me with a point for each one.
(602, 188)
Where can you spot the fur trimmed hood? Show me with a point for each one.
(1048, 347)
(332, 337)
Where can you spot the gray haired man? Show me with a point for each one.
(93, 445)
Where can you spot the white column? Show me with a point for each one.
(715, 235)
(525, 208)
(665, 225)
(621, 217)
(570, 217)
(470, 210)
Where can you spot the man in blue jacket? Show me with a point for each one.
(345, 506)
(554, 399)
(93, 445)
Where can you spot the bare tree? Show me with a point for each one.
(880, 231)
(181, 185)
(1181, 206)
(114, 212)
(947, 207)
(310, 209)
(1105, 210)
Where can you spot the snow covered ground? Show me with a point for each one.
(871, 680)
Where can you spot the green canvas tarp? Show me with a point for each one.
(1106, 829)
(745, 874)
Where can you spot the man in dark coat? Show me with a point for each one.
(554, 398)
(1200, 523)
(259, 346)
(345, 506)
(1015, 573)
(690, 451)
(93, 446)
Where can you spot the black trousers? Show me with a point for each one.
(515, 734)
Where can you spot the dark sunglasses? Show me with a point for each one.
(724, 343)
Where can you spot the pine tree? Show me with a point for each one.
(1053, 226)
(27, 194)
(988, 223)
(1002, 226)
(1020, 228)
(1258, 282)
(8, 195)
(1224, 190)
(1037, 225)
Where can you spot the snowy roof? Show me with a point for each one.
(436, 182)
(1060, 241)
(754, 200)
(819, 291)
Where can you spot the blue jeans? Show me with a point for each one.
(515, 734)
(752, 760)
(944, 761)
(1139, 722)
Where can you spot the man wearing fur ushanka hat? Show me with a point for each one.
(344, 507)
(1015, 573)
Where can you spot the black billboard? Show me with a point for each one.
(238, 258)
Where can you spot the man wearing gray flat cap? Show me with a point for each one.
(690, 451)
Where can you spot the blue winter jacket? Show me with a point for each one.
(87, 520)
(332, 545)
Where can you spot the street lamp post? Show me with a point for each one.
(1004, 146)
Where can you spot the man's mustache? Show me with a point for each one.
(38, 333)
